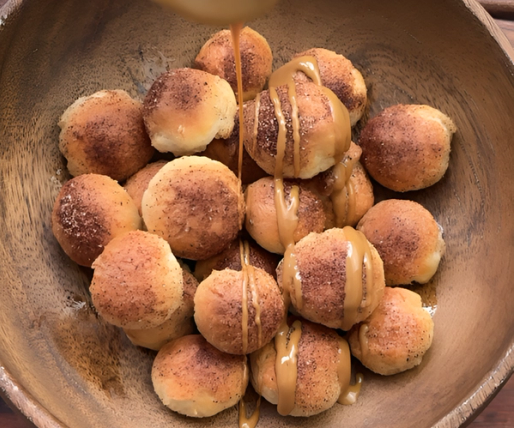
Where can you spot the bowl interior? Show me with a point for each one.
(86, 373)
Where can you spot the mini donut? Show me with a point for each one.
(408, 239)
(230, 258)
(137, 282)
(261, 213)
(185, 109)
(407, 147)
(397, 334)
(217, 57)
(193, 378)
(323, 140)
(104, 134)
(89, 211)
(179, 324)
(196, 204)
(219, 310)
(138, 183)
(338, 74)
(318, 386)
(332, 292)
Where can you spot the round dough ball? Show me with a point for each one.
(408, 239)
(179, 324)
(219, 309)
(193, 378)
(217, 57)
(137, 282)
(261, 214)
(318, 386)
(407, 147)
(328, 294)
(323, 140)
(196, 204)
(185, 109)
(230, 258)
(138, 183)
(89, 211)
(104, 134)
(396, 335)
(338, 74)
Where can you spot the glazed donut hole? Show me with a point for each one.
(334, 293)
(321, 143)
(217, 57)
(230, 258)
(219, 303)
(261, 213)
(408, 239)
(179, 324)
(137, 281)
(185, 109)
(104, 133)
(338, 74)
(138, 183)
(407, 147)
(195, 204)
(193, 378)
(397, 334)
(318, 386)
(89, 211)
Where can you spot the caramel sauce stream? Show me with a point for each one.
(343, 194)
(286, 369)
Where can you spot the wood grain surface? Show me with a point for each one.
(500, 412)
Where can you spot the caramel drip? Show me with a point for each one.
(254, 290)
(244, 300)
(343, 194)
(358, 254)
(235, 31)
(244, 420)
(363, 340)
(344, 367)
(285, 74)
(286, 368)
(352, 393)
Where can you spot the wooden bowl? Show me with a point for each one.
(63, 366)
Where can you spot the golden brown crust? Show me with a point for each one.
(195, 203)
(399, 333)
(230, 258)
(317, 387)
(89, 211)
(104, 134)
(408, 239)
(217, 57)
(193, 378)
(338, 74)
(316, 122)
(138, 183)
(185, 109)
(407, 147)
(321, 262)
(261, 214)
(137, 282)
(218, 310)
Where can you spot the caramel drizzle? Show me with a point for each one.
(358, 254)
(343, 193)
(349, 393)
(352, 393)
(286, 365)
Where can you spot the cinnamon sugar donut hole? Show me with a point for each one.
(397, 334)
(88, 213)
(185, 109)
(407, 147)
(196, 204)
(217, 57)
(408, 239)
(179, 324)
(138, 183)
(137, 282)
(104, 134)
(193, 378)
(318, 386)
(219, 313)
(338, 74)
(261, 214)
